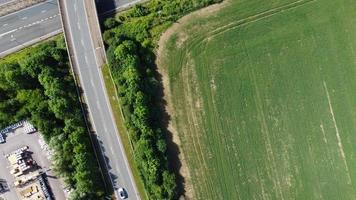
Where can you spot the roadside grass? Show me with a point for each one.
(16, 56)
(263, 99)
(25, 51)
(120, 123)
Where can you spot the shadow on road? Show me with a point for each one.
(173, 151)
(105, 6)
(99, 149)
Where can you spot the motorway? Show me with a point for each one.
(31, 25)
(28, 26)
(87, 63)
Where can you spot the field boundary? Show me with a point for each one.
(248, 20)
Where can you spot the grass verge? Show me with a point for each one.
(120, 123)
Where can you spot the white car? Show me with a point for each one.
(122, 193)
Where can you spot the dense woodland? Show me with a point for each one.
(39, 87)
(131, 39)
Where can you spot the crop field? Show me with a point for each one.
(262, 95)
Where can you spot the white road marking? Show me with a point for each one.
(8, 32)
(23, 18)
(105, 129)
(86, 59)
(112, 150)
(34, 23)
(4, 24)
(43, 11)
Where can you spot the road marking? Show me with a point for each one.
(37, 22)
(8, 32)
(23, 18)
(86, 59)
(12, 39)
(112, 150)
(105, 129)
(4, 24)
(19, 47)
(43, 11)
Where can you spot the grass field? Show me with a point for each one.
(263, 98)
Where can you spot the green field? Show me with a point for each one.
(263, 98)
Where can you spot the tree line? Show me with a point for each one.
(39, 87)
(131, 38)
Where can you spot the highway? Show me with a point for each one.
(28, 26)
(87, 62)
(31, 25)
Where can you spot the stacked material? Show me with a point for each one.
(28, 127)
(44, 187)
(8, 129)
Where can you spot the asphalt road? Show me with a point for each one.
(28, 26)
(91, 80)
(31, 25)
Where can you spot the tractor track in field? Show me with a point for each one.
(245, 21)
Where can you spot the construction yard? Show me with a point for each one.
(26, 168)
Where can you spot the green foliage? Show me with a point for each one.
(40, 88)
(131, 59)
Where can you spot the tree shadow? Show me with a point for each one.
(173, 150)
(99, 148)
(105, 7)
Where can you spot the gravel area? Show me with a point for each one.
(17, 140)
